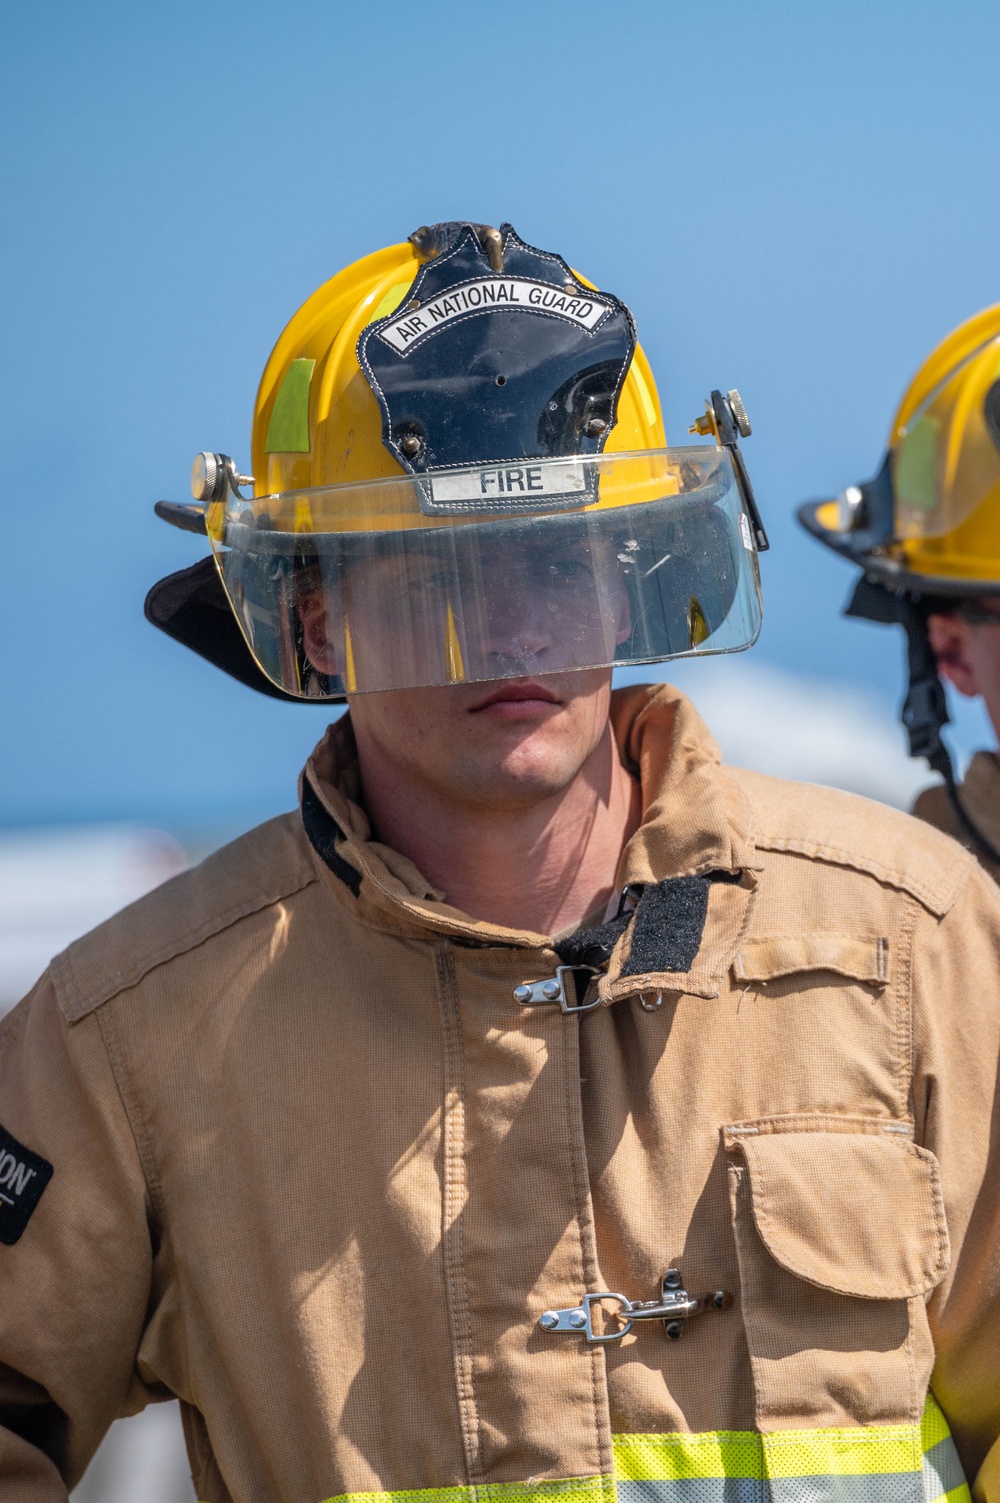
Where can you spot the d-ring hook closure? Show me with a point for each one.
(552, 990)
(674, 1308)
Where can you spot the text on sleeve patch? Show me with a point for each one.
(23, 1177)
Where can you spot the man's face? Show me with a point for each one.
(504, 745)
(455, 607)
(514, 621)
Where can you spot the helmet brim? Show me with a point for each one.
(890, 573)
(191, 607)
(853, 546)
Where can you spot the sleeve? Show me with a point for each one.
(75, 1250)
(956, 1003)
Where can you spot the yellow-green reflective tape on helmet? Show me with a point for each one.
(856, 1464)
(914, 470)
(288, 430)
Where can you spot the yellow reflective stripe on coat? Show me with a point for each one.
(568, 1490)
(856, 1464)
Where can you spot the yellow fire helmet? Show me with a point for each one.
(929, 522)
(926, 530)
(460, 473)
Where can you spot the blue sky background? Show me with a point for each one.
(800, 200)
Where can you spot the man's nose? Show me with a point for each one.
(521, 624)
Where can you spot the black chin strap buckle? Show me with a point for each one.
(925, 711)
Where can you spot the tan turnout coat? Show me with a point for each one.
(979, 793)
(317, 1173)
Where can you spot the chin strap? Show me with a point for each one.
(925, 711)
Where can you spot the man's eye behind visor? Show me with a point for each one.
(361, 588)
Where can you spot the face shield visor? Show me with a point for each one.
(491, 572)
(946, 461)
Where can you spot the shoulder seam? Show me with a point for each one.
(136, 1124)
(937, 899)
(76, 1004)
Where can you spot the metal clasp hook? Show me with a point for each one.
(674, 1307)
(553, 990)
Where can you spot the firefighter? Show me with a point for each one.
(926, 533)
(542, 1110)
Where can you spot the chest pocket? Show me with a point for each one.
(840, 1235)
(768, 957)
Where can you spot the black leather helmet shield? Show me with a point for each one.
(480, 367)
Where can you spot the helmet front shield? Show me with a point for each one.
(509, 571)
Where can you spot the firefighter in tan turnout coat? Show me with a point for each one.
(542, 1110)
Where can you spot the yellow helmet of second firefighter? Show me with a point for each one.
(926, 530)
(930, 522)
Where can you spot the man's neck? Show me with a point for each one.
(544, 867)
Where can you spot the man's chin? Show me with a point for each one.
(520, 757)
(503, 745)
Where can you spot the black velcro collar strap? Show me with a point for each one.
(323, 832)
(667, 927)
(669, 923)
(593, 947)
(480, 367)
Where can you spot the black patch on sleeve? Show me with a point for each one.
(323, 832)
(23, 1177)
(668, 925)
(39, 1422)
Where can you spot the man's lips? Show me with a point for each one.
(516, 695)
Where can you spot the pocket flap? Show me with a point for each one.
(859, 1213)
(861, 957)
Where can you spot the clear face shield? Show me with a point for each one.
(491, 572)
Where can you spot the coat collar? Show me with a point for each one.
(694, 821)
(980, 795)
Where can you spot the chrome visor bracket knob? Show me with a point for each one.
(207, 473)
(739, 412)
(213, 474)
